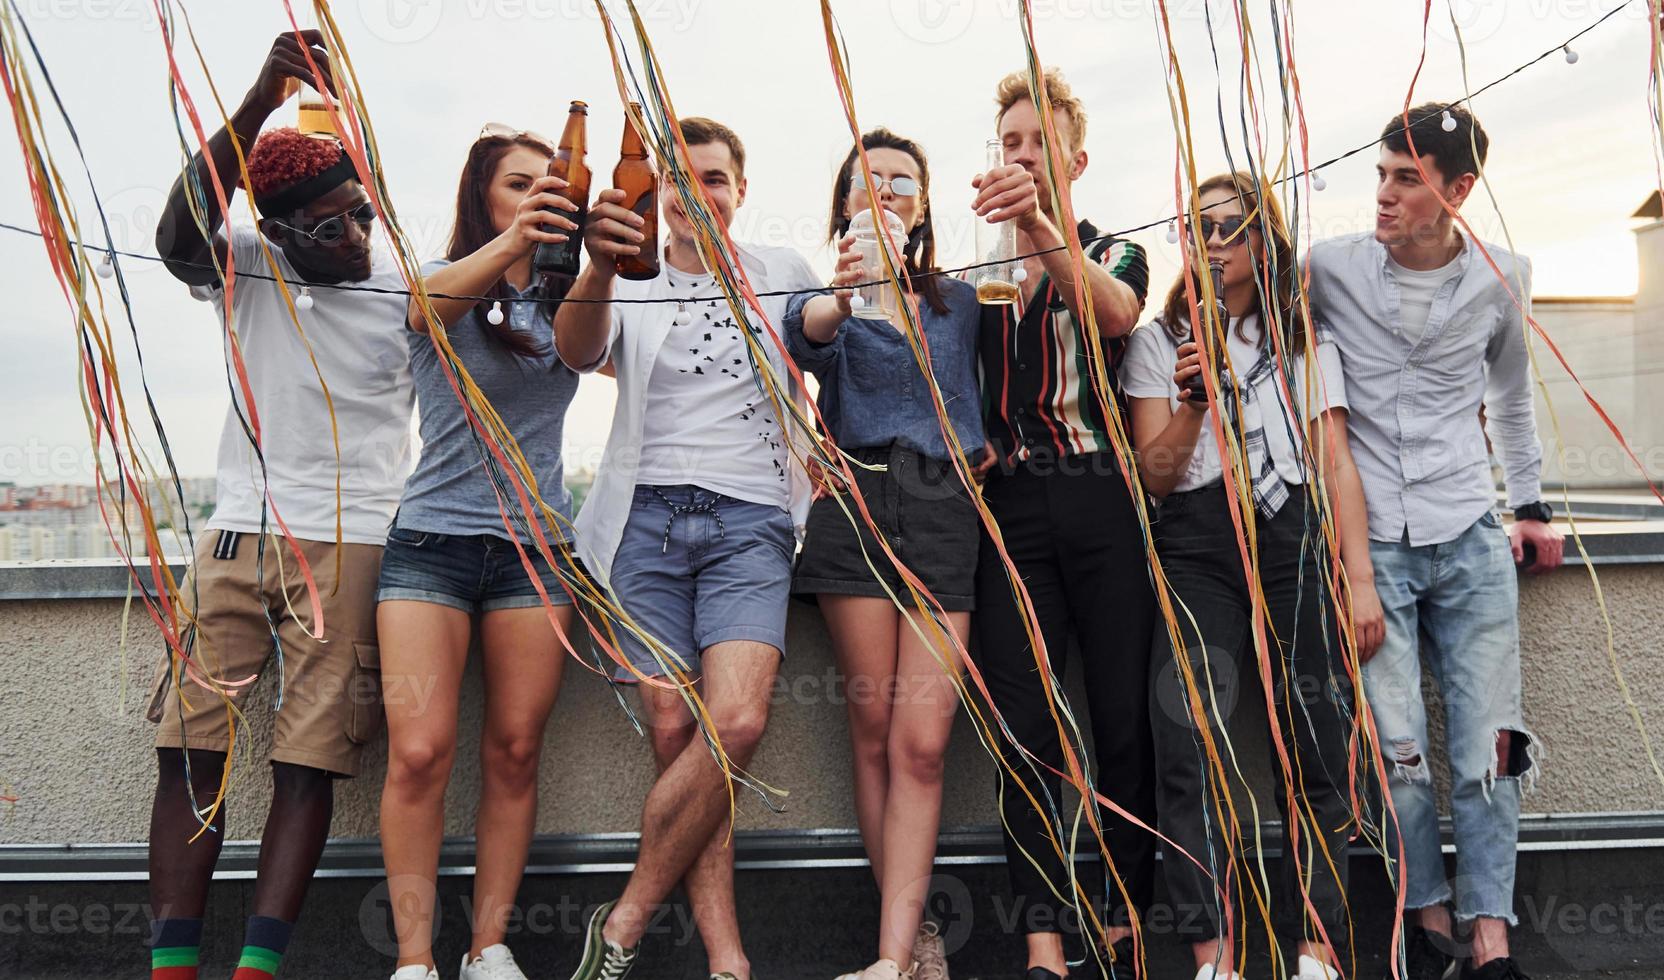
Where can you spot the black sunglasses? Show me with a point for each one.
(333, 228)
(1228, 228)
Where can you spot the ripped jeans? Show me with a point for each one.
(1461, 598)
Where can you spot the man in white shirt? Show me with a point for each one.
(691, 526)
(1429, 336)
(339, 364)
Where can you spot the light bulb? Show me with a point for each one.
(494, 316)
(304, 302)
(1020, 274)
(1318, 183)
(1448, 124)
(107, 266)
(1571, 56)
(1172, 232)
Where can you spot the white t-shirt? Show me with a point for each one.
(359, 341)
(1147, 372)
(707, 422)
(1415, 294)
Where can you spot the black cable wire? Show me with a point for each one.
(876, 282)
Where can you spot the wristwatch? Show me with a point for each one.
(1537, 511)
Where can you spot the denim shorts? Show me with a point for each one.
(696, 568)
(924, 513)
(477, 573)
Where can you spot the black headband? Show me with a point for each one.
(281, 204)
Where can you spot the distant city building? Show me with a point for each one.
(61, 521)
(1616, 346)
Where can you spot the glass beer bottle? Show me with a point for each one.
(1216, 327)
(634, 176)
(996, 242)
(559, 260)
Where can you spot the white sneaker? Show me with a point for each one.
(1314, 969)
(415, 972)
(1207, 972)
(493, 963)
(930, 961)
(882, 970)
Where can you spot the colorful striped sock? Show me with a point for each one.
(174, 946)
(263, 947)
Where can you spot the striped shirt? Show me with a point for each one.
(1037, 366)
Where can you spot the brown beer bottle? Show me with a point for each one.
(635, 177)
(560, 259)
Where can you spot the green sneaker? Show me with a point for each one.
(603, 958)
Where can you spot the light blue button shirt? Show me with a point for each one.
(1415, 427)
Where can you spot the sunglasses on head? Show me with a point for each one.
(333, 228)
(1229, 229)
(503, 131)
(899, 186)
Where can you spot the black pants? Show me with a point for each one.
(1311, 694)
(1073, 535)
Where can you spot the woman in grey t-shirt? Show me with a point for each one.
(457, 555)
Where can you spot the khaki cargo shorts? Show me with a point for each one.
(331, 703)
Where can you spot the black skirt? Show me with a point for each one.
(925, 515)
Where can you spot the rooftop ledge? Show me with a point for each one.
(1606, 542)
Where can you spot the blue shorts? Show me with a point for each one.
(697, 568)
(477, 573)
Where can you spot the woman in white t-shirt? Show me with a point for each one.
(1284, 423)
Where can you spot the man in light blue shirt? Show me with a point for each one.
(1435, 354)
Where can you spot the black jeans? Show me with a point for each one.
(1074, 537)
(1310, 693)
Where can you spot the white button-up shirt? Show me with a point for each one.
(1415, 428)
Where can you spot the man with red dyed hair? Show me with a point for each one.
(334, 362)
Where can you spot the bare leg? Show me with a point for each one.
(1435, 918)
(1216, 952)
(1490, 940)
(710, 882)
(1046, 949)
(690, 798)
(524, 662)
(864, 633)
(926, 701)
(303, 801)
(1318, 952)
(180, 869)
(423, 649)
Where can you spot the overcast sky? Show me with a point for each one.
(1571, 155)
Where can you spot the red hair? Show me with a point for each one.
(283, 157)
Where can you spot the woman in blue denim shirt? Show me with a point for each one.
(450, 565)
(877, 406)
